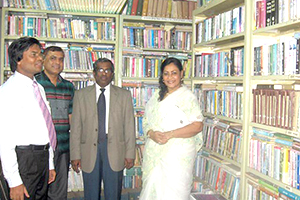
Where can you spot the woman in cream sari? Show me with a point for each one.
(173, 124)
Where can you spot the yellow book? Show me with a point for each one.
(145, 8)
(156, 67)
(285, 168)
(169, 10)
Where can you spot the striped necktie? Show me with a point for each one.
(46, 114)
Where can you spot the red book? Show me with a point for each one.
(134, 7)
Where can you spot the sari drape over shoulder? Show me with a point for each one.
(168, 168)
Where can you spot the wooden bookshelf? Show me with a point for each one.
(212, 45)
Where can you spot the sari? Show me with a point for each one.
(168, 168)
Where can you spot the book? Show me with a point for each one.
(150, 7)
(134, 7)
(129, 7)
(145, 7)
(140, 8)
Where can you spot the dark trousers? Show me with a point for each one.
(34, 171)
(58, 190)
(102, 171)
(3, 186)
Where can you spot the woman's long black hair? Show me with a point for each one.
(163, 90)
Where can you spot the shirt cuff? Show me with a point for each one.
(14, 180)
(51, 158)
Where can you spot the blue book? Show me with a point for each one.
(284, 142)
(30, 27)
(263, 132)
(152, 37)
(141, 132)
(131, 37)
(288, 193)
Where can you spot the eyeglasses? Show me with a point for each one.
(101, 70)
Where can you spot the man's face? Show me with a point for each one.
(103, 74)
(32, 61)
(54, 62)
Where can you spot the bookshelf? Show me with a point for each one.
(84, 37)
(145, 41)
(270, 132)
(219, 81)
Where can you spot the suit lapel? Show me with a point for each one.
(113, 99)
(91, 99)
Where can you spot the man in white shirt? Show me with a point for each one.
(27, 157)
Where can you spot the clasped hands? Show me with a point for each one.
(160, 137)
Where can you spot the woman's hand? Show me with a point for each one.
(158, 137)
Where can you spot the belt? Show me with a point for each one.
(34, 147)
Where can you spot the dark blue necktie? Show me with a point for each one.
(101, 116)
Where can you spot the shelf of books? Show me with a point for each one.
(84, 37)
(82, 6)
(218, 79)
(274, 150)
(160, 9)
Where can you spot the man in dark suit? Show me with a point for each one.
(102, 139)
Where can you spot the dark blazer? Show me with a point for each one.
(84, 128)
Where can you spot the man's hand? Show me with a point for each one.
(18, 192)
(128, 163)
(52, 175)
(76, 165)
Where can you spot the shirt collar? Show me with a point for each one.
(45, 77)
(25, 79)
(107, 88)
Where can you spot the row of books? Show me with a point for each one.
(225, 63)
(271, 12)
(259, 189)
(223, 138)
(221, 100)
(277, 107)
(157, 36)
(81, 59)
(88, 6)
(222, 177)
(275, 155)
(138, 116)
(140, 93)
(132, 178)
(76, 57)
(279, 58)
(49, 26)
(79, 84)
(148, 66)
(161, 8)
(221, 25)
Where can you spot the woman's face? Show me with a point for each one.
(172, 77)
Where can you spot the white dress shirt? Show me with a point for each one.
(107, 98)
(21, 123)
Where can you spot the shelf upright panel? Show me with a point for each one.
(2, 27)
(248, 61)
